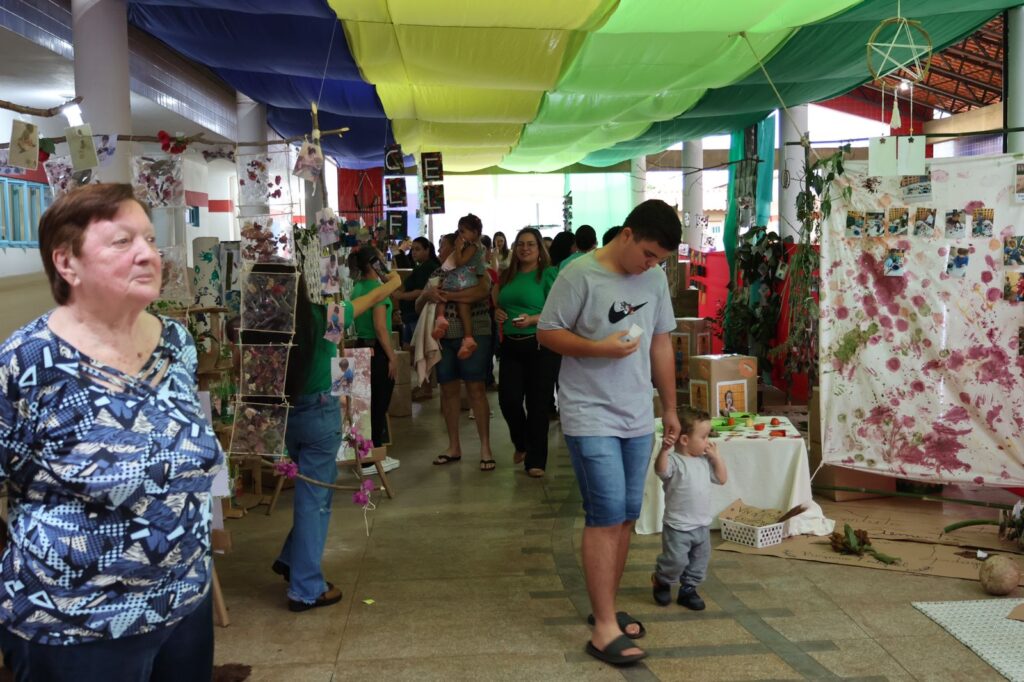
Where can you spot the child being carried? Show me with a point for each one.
(462, 270)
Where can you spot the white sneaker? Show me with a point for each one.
(389, 464)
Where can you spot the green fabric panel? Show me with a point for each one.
(602, 200)
(818, 63)
(765, 169)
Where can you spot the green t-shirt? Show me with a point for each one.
(571, 258)
(319, 379)
(364, 323)
(524, 295)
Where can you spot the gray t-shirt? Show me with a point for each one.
(687, 483)
(606, 396)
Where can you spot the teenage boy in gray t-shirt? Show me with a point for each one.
(609, 315)
(687, 475)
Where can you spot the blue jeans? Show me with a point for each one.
(183, 651)
(474, 368)
(313, 438)
(611, 473)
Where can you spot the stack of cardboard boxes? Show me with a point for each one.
(721, 384)
(838, 476)
(401, 398)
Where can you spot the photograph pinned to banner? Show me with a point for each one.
(1013, 251)
(1013, 287)
(353, 386)
(397, 224)
(433, 199)
(924, 222)
(855, 224)
(432, 166)
(956, 264)
(309, 163)
(684, 251)
(335, 326)
(1018, 182)
(82, 147)
(1020, 341)
(327, 226)
(874, 223)
(329, 276)
(895, 263)
(24, 149)
(395, 193)
(394, 160)
(982, 222)
(899, 220)
(956, 224)
(732, 397)
(916, 188)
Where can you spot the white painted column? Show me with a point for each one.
(638, 180)
(693, 190)
(1014, 78)
(252, 127)
(100, 39)
(791, 169)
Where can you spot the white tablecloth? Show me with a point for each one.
(765, 471)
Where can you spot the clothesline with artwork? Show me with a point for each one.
(922, 326)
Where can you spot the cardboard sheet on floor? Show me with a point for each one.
(904, 528)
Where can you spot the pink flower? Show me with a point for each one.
(286, 468)
(367, 486)
(360, 498)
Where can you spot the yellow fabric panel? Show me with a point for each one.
(450, 104)
(573, 15)
(425, 134)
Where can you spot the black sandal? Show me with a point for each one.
(446, 459)
(487, 465)
(624, 620)
(613, 652)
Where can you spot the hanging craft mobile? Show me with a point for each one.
(899, 48)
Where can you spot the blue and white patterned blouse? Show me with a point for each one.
(109, 480)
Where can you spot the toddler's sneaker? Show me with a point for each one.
(467, 348)
(440, 328)
(662, 593)
(689, 598)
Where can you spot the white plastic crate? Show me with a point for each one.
(751, 536)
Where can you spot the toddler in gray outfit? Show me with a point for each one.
(687, 471)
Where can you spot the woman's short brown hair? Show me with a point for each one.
(64, 223)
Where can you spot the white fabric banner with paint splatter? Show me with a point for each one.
(921, 372)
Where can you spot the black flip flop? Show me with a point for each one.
(623, 619)
(446, 459)
(488, 465)
(613, 652)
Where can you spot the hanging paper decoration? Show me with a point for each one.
(397, 224)
(433, 199)
(394, 161)
(62, 177)
(261, 178)
(394, 190)
(307, 252)
(158, 181)
(329, 273)
(106, 147)
(268, 301)
(206, 280)
(175, 278)
(229, 258)
(267, 239)
(335, 323)
(350, 379)
(264, 368)
(327, 226)
(433, 168)
(82, 147)
(309, 163)
(259, 429)
(24, 149)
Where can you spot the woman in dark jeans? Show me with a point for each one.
(527, 369)
(373, 330)
(426, 263)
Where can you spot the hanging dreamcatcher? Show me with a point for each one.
(899, 48)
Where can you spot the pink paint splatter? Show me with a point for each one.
(887, 289)
(939, 175)
(992, 416)
(893, 364)
(986, 276)
(972, 205)
(979, 480)
(925, 283)
(917, 386)
(885, 321)
(965, 399)
(902, 325)
(993, 294)
(918, 300)
(956, 414)
(842, 312)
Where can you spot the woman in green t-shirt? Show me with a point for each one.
(527, 373)
(373, 330)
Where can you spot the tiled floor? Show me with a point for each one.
(475, 576)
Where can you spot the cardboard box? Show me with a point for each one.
(691, 337)
(685, 303)
(396, 340)
(814, 416)
(403, 375)
(401, 401)
(720, 383)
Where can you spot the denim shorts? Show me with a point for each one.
(473, 368)
(611, 473)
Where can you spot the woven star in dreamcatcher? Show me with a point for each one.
(902, 49)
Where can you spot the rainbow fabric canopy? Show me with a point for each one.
(534, 85)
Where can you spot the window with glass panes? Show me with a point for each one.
(22, 204)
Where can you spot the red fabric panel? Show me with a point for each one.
(360, 194)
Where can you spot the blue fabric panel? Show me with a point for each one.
(305, 8)
(349, 98)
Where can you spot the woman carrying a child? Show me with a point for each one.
(461, 271)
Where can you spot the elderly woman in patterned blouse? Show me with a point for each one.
(108, 461)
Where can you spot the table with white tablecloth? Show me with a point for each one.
(764, 470)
